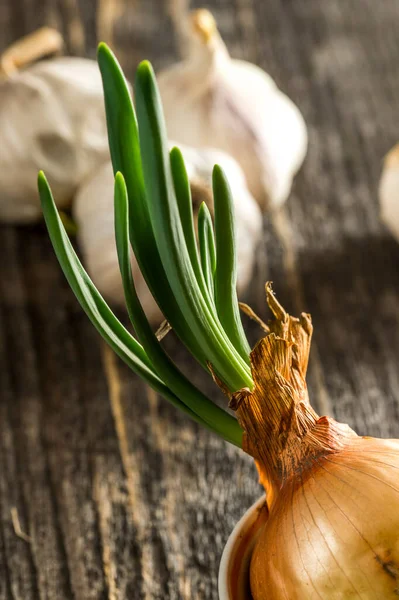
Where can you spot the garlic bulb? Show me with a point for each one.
(210, 100)
(94, 214)
(389, 192)
(51, 116)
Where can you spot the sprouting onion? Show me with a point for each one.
(332, 497)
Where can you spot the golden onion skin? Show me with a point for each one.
(334, 536)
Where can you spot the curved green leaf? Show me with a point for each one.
(226, 267)
(184, 202)
(206, 242)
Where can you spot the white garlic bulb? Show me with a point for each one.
(93, 212)
(52, 117)
(211, 100)
(389, 192)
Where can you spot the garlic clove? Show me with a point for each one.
(211, 100)
(94, 215)
(51, 117)
(389, 192)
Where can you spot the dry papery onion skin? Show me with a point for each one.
(332, 496)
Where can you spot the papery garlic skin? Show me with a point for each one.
(93, 212)
(336, 534)
(52, 118)
(211, 100)
(389, 192)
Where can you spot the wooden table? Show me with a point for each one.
(116, 495)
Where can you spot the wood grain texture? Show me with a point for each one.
(122, 498)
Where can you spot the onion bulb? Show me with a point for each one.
(332, 496)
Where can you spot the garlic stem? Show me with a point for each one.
(203, 24)
(30, 48)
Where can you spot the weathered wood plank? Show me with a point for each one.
(71, 397)
(26, 418)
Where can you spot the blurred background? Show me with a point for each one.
(106, 491)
